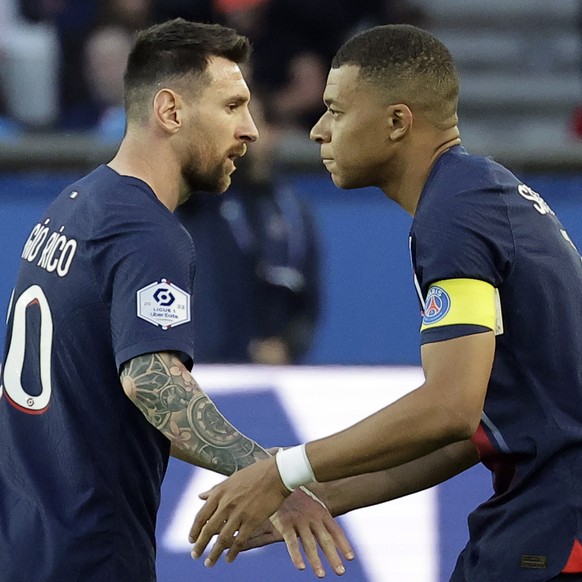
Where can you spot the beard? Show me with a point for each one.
(198, 178)
(215, 180)
(199, 174)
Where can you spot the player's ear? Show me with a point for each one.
(168, 106)
(399, 121)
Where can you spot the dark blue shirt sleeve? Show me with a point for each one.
(148, 269)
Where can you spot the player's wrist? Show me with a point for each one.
(310, 493)
(294, 467)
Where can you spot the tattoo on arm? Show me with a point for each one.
(172, 401)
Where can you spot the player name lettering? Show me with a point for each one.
(539, 203)
(52, 251)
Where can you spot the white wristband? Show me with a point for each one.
(294, 467)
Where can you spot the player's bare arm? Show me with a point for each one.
(172, 401)
(446, 409)
(351, 493)
(345, 495)
(170, 398)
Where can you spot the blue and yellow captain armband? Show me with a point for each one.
(462, 302)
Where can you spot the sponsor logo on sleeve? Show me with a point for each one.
(164, 304)
(437, 305)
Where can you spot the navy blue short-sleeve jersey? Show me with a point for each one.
(105, 275)
(476, 220)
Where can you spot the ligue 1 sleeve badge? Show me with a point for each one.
(437, 305)
(164, 304)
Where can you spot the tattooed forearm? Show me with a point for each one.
(162, 388)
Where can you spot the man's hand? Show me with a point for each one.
(302, 518)
(235, 508)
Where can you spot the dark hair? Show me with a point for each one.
(172, 50)
(407, 63)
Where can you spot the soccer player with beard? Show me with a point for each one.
(96, 383)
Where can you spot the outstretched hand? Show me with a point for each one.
(237, 510)
(303, 521)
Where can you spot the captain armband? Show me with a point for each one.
(470, 303)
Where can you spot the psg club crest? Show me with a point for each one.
(437, 305)
(163, 303)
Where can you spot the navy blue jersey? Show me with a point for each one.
(106, 275)
(477, 221)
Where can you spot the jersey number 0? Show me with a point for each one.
(14, 364)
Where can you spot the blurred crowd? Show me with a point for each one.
(61, 61)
